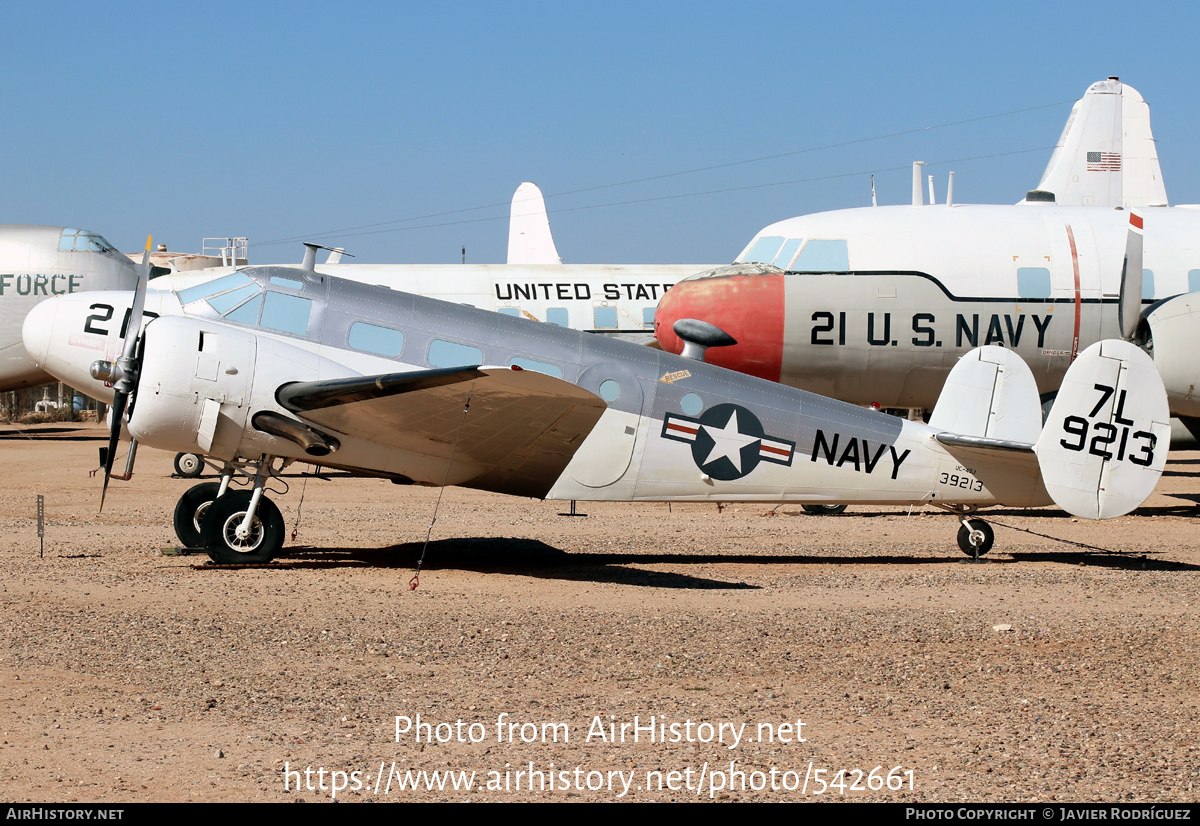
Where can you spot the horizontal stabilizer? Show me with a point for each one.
(990, 395)
(1104, 444)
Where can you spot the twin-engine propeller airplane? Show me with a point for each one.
(272, 365)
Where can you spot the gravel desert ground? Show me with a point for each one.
(641, 653)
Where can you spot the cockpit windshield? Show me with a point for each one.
(243, 300)
(80, 240)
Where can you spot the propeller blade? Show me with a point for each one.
(124, 386)
(118, 411)
(139, 304)
(1130, 302)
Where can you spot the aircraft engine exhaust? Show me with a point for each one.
(314, 442)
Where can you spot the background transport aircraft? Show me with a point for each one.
(37, 263)
(876, 305)
(285, 364)
(612, 299)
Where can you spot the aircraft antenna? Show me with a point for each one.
(918, 196)
(874, 200)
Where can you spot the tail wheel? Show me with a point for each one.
(188, 465)
(977, 539)
(190, 511)
(823, 510)
(220, 530)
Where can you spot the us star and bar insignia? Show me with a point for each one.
(727, 441)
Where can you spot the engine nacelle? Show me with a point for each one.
(207, 371)
(1175, 335)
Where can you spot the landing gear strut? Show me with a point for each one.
(233, 527)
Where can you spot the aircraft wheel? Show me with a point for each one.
(823, 510)
(219, 530)
(190, 510)
(188, 465)
(982, 543)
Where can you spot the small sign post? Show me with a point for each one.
(41, 526)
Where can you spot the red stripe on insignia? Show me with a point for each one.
(692, 430)
(777, 450)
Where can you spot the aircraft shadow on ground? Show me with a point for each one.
(519, 557)
(533, 558)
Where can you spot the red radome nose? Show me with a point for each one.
(748, 306)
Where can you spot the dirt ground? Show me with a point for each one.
(640, 653)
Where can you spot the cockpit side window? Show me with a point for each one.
(286, 313)
(823, 256)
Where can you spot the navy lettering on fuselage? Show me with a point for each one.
(970, 329)
(856, 453)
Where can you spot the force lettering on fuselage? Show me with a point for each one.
(1004, 329)
(579, 292)
(38, 284)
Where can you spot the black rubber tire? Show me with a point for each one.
(190, 510)
(823, 510)
(964, 538)
(222, 519)
(188, 465)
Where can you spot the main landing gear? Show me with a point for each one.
(233, 527)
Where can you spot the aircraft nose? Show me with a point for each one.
(38, 330)
(747, 305)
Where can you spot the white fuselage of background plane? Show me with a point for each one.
(902, 292)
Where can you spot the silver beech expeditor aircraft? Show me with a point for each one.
(272, 365)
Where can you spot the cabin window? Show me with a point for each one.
(557, 315)
(515, 312)
(764, 250)
(537, 366)
(382, 341)
(609, 390)
(691, 404)
(210, 288)
(787, 253)
(286, 313)
(452, 354)
(1033, 282)
(823, 256)
(606, 318)
(1193, 280)
(648, 317)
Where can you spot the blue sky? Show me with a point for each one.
(279, 120)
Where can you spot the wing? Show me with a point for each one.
(520, 429)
